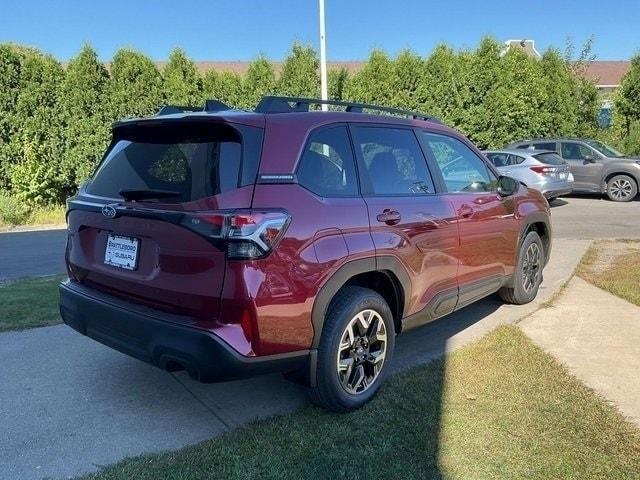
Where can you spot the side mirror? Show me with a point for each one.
(590, 158)
(507, 186)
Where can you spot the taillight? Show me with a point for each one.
(541, 170)
(249, 233)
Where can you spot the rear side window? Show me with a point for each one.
(393, 161)
(549, 158)
(194, 160)
(544, 146)
(327, 167)
(498, 159)
(462, 170)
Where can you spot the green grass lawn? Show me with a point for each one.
(497, 409)
(620, 274)
(29, 303)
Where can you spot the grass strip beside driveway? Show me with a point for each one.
(499, 408)
(614, 266)
(29, 303)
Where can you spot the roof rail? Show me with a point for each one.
(276, 104)
(209, 106)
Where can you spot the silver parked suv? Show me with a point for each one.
(596, 167)
(541, 170)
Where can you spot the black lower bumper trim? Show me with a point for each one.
(145, 335)
(556, 193)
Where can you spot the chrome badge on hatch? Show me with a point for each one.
(109, 211)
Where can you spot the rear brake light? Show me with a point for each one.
(249, 233)
(544, 170)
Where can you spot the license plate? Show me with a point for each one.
(121, 252)
(563, 176)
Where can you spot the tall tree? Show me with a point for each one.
(10, 68)
(224, 86)
(337, 82)
(628, 99)
(259, 80)
(37, 176)
(82, 105)
(444, 90)
(135, 87)
(182, 83)
(299, 76)
(374, 83)
(409, 73)
(560, 104)
(515, 104)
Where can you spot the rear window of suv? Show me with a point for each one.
(192, 159)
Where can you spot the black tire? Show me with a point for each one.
(329, 391)
(525, 287)
(622, 188)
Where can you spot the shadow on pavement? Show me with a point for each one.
(235, 403)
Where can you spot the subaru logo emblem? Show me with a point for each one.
(109, 211)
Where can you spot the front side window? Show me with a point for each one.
(576, 151)
(393, 161)
(462, 170)
(605, 150)
(327, 167)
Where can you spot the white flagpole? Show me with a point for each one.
(323, 57)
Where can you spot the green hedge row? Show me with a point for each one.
(55, 120)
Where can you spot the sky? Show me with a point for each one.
(243, 29)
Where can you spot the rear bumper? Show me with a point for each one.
(557, 191)
(155, 337)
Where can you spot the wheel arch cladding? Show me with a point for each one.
(385, 276)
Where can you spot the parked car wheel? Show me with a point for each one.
(355, 350)
(528, 274)
(622, 188)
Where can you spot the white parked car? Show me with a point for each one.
(542, 170)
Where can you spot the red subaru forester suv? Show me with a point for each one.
(232, 243)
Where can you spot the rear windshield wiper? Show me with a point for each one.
(148, 194)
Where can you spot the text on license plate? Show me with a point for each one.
(121, 251)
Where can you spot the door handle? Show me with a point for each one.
(388, 216)
(465, 211)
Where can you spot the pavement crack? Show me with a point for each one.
(207, 407)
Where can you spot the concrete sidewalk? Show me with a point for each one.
(597, 336)
(69, 405)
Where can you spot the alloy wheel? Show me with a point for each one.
(620, 189)
(531, 267)
(362, 351)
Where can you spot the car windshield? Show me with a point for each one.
(604, 149)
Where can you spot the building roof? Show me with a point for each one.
(607, 72)
(603, 72)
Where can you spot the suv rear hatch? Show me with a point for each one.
(146, 226)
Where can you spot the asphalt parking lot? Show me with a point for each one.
(591, 217)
